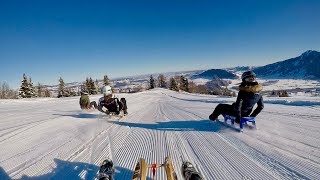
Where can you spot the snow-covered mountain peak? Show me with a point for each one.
(309, 53)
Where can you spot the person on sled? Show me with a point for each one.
(112, 105)
(248, 96)
(84, 101)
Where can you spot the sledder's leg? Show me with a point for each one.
(221, 109)
(124, 108)
(94, 104)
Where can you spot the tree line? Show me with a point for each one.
(181, 83)
(176, 83)
(28, 90)
(89, 85)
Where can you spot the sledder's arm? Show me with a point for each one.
(101, 110)
(237, 107)
(99, 106)
(259, 108)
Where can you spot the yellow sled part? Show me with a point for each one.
(140, 171)
(171, 174)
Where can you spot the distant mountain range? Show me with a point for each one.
(215, 73)
(305, 66)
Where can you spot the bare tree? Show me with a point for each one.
(162, 81)
(6, 92)
(47, 93)
(39, 90)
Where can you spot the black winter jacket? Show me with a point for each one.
(248, 96)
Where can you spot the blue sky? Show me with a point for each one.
(79, 39)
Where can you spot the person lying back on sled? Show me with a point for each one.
(84, 101)
(111, 104)
(248, 96)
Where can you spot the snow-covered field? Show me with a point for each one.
(273, 84)
(53, 139)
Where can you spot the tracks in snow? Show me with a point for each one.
(158, 126)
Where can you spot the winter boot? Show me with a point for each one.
(106, 171)
(213, 117)
(125, 112)
(189, 172)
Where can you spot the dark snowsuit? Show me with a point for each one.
(248, 96)
(113, 105)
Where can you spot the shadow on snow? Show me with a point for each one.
(192, 125)
(72, 171)
(80, 115)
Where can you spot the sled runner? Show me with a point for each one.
(242, 123)
(115, 116)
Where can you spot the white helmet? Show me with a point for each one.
(106, 90)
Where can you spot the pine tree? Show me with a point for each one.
(184, 84)
(32, 89)
(87, 85)
(106, 80)
(173, 84)
(162, 81)
(26, 89)
(151, 82)
(92, 86)
(61, 90)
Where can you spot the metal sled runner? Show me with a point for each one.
(141, 169)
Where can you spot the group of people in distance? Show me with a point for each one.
(248, 96)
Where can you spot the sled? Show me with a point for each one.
(114, 116)
(242, 123)
(141, 169)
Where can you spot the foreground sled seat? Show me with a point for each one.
(243, 120)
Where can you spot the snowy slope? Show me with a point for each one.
(53, 139)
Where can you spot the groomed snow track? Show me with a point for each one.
(53, 139)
